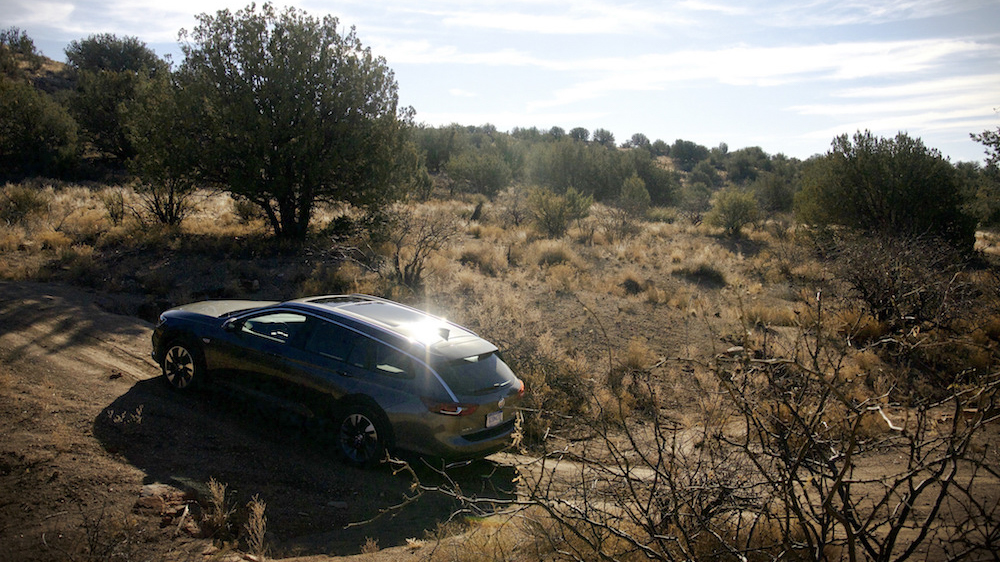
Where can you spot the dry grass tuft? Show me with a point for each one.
(54, 240)
(760, 314)
(546, 253)
(637, 355)
(256, 528)
(859, 326)
(487, 258)
(218, 516)
(562, 278)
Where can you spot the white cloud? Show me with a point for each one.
(826, 13)
(762, 66)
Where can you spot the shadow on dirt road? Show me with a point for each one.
(184, 439)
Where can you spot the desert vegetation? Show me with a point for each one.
(729, 354)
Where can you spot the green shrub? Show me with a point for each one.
(37, 135)
(553, 212)
(732, 209)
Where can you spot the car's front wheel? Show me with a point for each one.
(362, 435)
(182, 365)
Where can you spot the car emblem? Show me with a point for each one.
(500, 403)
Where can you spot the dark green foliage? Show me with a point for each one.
(296, 112)
(110, 53)
(480, 171)
(660, 148)
(705, 173)
(164, 128)
(634, 198)
(991, 140)
(890, 186)
(983, 185)
(774, 192)
(694, 199)
(744, 165)
(439, 144)
(639, 140)
(604, 138)
(579, 134)
(98, 104)
(661, 183)
(587, 167)
(687, 154)
(37, 135)
(109, 71)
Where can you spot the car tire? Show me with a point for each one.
(183, 366)
(362, 435)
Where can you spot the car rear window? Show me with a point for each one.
(478, 374)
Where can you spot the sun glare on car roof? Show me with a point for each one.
(427, 332)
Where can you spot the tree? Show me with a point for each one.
(984, 198)
(704, 172)
(15, 46)
(480, 171)
(639, 140)
(37, 135)
(295, 113)
(660, 148)
(991, 140)
(891, 186)
(163, 127)
(687, 154)
(604, 137)
(746, 163)
(439, 144)
(107, 51)
(634, 198)
(109, 70)
(579, 134)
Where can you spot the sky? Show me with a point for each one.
(785, 75)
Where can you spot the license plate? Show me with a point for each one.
(494, 418)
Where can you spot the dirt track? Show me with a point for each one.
(86, 423)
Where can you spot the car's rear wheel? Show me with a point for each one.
(362, 435)
(182, 365)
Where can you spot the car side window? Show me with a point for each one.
(331, 340)
(278, 327)
(392, 363)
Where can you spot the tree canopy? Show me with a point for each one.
(295, 112)
(109, 71)
(892, 186)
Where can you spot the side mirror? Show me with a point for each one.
(232, 325)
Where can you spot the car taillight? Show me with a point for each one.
(449, 408)
(520, 391)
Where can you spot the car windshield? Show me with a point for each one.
(478, 374)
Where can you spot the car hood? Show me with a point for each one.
(221, 308)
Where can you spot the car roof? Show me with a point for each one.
(437, 335)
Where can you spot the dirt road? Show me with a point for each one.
(87, 429)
